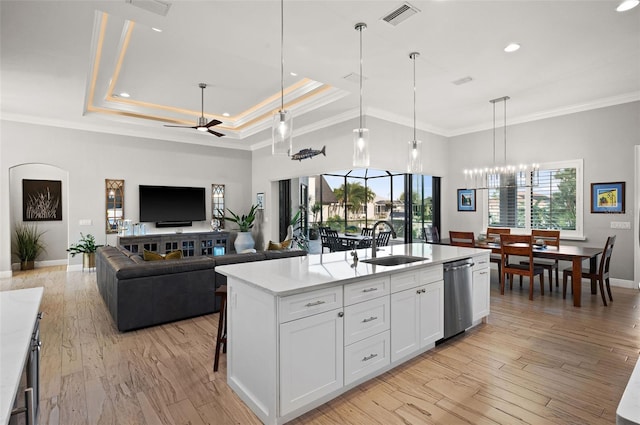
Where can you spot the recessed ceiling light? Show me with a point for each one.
(124, 94)
(156, 29)
(226, 114)
(512, 47)
(293, 74)
(627, 5)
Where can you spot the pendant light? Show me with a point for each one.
(505, 175)
(414, 164)
(361, 134)
(282, 129)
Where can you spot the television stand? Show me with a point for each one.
(191, 244)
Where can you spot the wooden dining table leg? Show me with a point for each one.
(576, 281)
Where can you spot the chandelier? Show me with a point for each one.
(505, 175)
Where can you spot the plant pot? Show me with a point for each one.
(313, 234)
(88, 260)
(244, 241)
(27, 265)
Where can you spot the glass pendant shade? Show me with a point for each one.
(361, 147)
(282, 142)
(414, 161)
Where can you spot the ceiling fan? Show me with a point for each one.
(203, 125)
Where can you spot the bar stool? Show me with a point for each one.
(221, 339)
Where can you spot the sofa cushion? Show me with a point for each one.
(173, 255)
(155, 268)
(239, 258)
(151, 256)
(273, 246)
(271, 255)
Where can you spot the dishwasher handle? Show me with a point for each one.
(454, 268)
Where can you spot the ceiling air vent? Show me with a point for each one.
(400, 14)
(155, 6)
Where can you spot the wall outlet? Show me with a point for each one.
(85, 222)
(621, 225)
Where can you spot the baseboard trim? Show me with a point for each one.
(6, 274)
(622, 283)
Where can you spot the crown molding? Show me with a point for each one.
(566, 110)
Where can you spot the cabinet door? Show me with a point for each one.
(481, 293)
(405, 323)
(311, 359)
(431, 313)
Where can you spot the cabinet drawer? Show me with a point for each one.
(415, 278)
(365, 357)
(309, 303)
(367, 290)
(366, 319)
(481, 262)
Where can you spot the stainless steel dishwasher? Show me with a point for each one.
(458, 314)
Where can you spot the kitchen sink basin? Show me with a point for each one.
(393, 260)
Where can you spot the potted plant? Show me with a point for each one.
(27, 245)
(313, 231)
(244, 240)
(87, 247)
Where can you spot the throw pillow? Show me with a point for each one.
(173, 255)
(151, 256)
(279, 246)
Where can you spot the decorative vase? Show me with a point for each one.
(88, 260)
(244, 241)
(27, 265)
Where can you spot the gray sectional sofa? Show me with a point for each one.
(142, 293)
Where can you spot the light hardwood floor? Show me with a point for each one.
(535, 362)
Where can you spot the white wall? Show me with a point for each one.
(604, 138)
(89, 158)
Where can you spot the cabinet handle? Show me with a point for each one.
(313, 304)
(483, 272)
(423, 290)
(369, 357)
(370, 319)
(418, 292)
(370, 290)
(340, 314)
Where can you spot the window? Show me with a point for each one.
(548, 199)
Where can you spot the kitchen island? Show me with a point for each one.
(304, 330)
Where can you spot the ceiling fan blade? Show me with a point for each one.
(215, 133)
(179, 126)
(213, 123)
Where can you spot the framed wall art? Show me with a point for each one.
(41, 200)
(607, 198)
(260, 200)
(466, 199)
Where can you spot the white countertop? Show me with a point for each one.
(18, 312)
(628, 411)
(288, 276)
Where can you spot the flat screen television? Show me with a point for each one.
(172, 205)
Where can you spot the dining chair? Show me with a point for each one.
(430, 234)
(324, 241)
(335, 243)
(367, 231)
(383, 238)
(493, 235)
(601, 275)
(465, 239)
(521, 246)
(550, 238)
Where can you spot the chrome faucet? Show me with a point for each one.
(373, 236)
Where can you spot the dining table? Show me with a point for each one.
(573, 253)
(351, 239)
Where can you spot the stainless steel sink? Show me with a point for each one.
(393, 260)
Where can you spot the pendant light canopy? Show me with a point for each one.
(414, 163)
(282, 129)
(361, 134)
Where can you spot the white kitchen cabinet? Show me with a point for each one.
(417, 319)
(481, 288)
(311, 359)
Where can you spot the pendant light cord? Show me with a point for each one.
(281, 55)
(505, 130)
(494, 134)
(360, 29)
(202, 101)
(413, 56)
